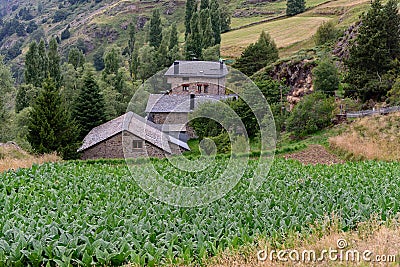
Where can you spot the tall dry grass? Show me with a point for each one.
(375, 236)
(13, 158)
(375, 137)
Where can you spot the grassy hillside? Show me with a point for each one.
(295, 33)
(92, 21)
(375, 137)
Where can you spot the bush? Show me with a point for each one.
(325, 77)
(65, 34)
(222, 143)
(326, 33)
(313, 113)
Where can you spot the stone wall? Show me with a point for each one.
(108, 149)
(113, 148)
(215, 86)
(170, 118)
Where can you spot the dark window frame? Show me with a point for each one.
(137, 144)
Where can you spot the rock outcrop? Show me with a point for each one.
(297, 75)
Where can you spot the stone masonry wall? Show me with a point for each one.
(170, 118)
(215, 86)
(112, 148)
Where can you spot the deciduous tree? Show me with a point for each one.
(155, 34)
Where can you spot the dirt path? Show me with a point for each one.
(314, 154)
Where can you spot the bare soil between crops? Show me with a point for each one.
(315, 154)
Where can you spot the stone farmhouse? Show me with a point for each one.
(133, 135)
(172, 112)
(197, 77)
(164, 131)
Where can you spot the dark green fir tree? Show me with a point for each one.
(51, 128)
(89, 109)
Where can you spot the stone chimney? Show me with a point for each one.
(192, 99)
(176, 67)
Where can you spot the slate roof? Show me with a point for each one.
(207, 69)
(159, 103)
(134, 124)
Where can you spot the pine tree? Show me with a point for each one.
(191, 7)
(371, 57)
(295, 7)
(392, 28)
(194, 42)
(155, 34)
(215, 14)
(54, 62)
(258, 55)
(50, 127)
(89, 109)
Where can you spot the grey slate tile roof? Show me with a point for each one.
(134, 124)
(159, 103)
(207, 69)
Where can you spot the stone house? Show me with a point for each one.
(171, 112)
(197, 77)
(129, 136)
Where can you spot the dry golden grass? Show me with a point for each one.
(294, 33)
(373, 236)
(375, 137)
(285, 32)
(13, 158)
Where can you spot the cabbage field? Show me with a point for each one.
(86, 214)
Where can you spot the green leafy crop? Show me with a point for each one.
(94, 214)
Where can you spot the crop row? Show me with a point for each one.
(95, 214)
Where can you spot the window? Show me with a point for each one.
(186, 79)
(206, 88)
(137, 144)
(199, 88)
(185, 87)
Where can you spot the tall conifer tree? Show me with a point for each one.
(375, 48)
(89, 109)
(258, 55)
(50, 127)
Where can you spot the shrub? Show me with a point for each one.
(326, 33)
(313, 113)
(325, 77)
